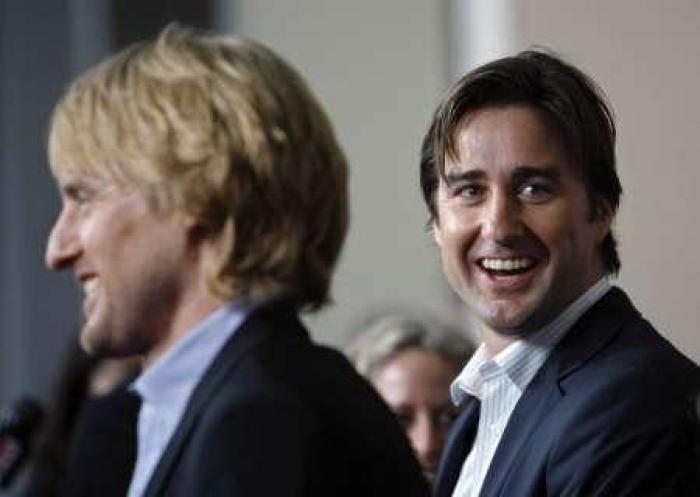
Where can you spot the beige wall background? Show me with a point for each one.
(377, 67)
(646, 55)
(380, 67)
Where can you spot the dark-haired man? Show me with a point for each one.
(572, 392)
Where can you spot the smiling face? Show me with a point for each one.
(513, 223)
(416, 386)
(135, 266)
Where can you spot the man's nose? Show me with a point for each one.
(501, 218)
(63, 246)
(426, 442)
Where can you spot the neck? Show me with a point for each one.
(191, 311)
(494, 341)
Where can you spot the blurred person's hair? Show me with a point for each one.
(384, 334)
(227, 133)
(564, 96)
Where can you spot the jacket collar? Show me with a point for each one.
(591, 332)
(261, 325)
(457, 447)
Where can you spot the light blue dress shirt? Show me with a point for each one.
(166, 386)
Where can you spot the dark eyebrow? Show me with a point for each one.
(74, 183)
(521, 173)
(549, 172)
(75, 187)
(460, 176)
(71, 187)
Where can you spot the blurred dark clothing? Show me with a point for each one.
(79, 423)
(47, 466)
(103, 449)
(100, 454)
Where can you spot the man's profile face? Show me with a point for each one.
(513, 221)
(129, 260)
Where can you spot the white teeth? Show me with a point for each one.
(89, 286)
(506, 264)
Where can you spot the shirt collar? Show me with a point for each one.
(177, 372)
(521, 360)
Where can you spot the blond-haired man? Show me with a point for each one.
(204, 205)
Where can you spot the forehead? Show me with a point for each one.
(503, 138)
(70, 180)
(415, 372)
(73, 155)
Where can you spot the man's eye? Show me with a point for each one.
(79, 194)
(470, 192)
(405, 419)
(535, 191)
(446, 416)
(82, 196)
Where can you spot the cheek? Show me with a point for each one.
(95, 234)
(456, 230)
(103, 230)
(552, 226)
(454, 220)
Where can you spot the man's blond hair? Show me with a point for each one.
(225, 131)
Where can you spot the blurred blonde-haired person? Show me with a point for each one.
(411, 358)
(204, 206)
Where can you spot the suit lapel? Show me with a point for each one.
(594, 331)
(457, 447)
(537, 403)
(589, 335)
(252, 332)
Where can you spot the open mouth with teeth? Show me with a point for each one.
(506, 266)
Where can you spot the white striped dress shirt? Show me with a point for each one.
(499, 382)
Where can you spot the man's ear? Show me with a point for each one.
(437, 233)
(603, 217)
(197, 231)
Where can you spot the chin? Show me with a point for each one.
(90, 345)
(95, 340)
(93, 345)
(507, 319)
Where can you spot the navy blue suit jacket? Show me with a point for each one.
(610, 413)
(276, 415)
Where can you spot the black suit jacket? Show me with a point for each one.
(276, 415)
(610, 413)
